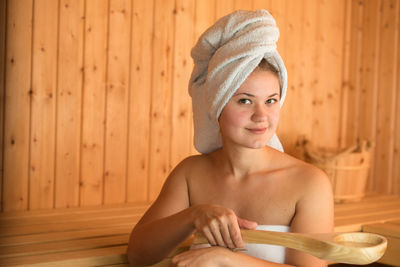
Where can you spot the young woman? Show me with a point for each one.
(242, 184)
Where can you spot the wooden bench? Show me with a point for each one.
(98, 236)
(390, 229)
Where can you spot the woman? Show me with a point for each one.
(239, 181)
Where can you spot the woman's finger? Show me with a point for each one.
(235, 234)
(208, 234)
(226, 235)
(216, 232)
(245, 224)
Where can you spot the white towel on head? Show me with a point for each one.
(224, 56)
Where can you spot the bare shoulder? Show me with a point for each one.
(307, 178)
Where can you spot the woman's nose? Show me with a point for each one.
(259, 113)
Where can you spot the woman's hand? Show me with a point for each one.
(220, 225)
(210, 257)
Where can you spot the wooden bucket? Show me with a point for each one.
(348, 169)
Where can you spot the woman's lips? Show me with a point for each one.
(257, 130)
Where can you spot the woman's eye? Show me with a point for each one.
(271, 101)
(244, 101)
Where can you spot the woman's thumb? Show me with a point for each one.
(245, 224)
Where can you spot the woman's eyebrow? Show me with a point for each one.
(250, 95)
(244, 94)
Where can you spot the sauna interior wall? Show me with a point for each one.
(94, 103)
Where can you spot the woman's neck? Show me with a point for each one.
(239, 162)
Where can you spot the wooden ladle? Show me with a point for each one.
(352, 248)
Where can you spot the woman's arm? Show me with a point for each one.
(170, 220)
(220, 257)
(165, 225)
(314, 214)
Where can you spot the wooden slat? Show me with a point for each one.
(128, 220)
(181, 127)
(350, 107)
(368, 83)
(63, 236)
(261, 4)
(164, 16)
(391, 230)
(17, 105)
(386, 98)
(69, 103)
(243, 5)
(140, 101)
(204, 18)
(295, 91)
(68, 245)
(82, 211)
(223, 8)
(92, 257)
(396, 155)
(44, 91)
(327, 98)
(3, 27)
(95, 60)
(117, 101)
(73, 216)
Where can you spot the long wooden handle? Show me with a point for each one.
(352, 248)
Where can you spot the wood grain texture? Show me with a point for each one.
(93, 106)
(396, 148)
(44, 94)
(351, 79)
(69, 103)
(140, 101)
(112, 116)
(352, 247)
(72, 236)
(118, 82)
(386, 98)
(17, 105)
(164, 17)
(3, 12)
(181, 108)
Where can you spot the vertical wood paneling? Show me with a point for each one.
(95, 62)
(308, 71)
(44, 92)
(243, 5)
(117, 102)
(223, 7)
(3, 13)
(106, 82)
(164, 13)
(295, 92)
(140, 101)
(204, 18)
(69, 102)
(351, 76)
(17, 105)
(396, 148)
(329, 46)
(386, 98)
(261, 4)
(181, 127)
(369, 74)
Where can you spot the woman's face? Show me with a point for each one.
(251, 116)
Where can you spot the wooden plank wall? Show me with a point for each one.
(94, 102)
(371, 87)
